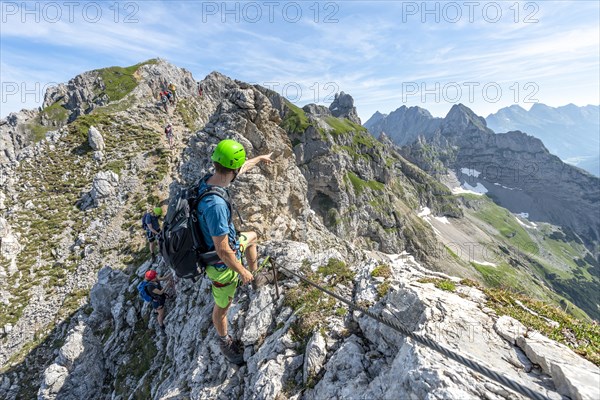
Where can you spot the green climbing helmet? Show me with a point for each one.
(158, 211)
(229, 154)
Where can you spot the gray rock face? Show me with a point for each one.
(572, 375)
(95, 139)
(509, 328)
(317, 110)
(79, 96)
(104, 185)
(373, 362)
(9, 246)
(403, 125)
(316, 352)
(548, 189)
(78, 370)
(375, 118)
(14, 134)
(343, 106)
(110, 283)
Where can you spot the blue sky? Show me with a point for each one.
(484, 54)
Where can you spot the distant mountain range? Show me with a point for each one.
(570, 132)
(516, 169)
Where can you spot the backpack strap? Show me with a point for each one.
(222, 193)
(149, 288)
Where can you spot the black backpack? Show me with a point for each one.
(144, 225)
(181, 242)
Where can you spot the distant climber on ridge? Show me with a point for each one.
(199, 89)
(152, 226)
(169, 134)
(164, 99)
(173, 89)
(215, 221)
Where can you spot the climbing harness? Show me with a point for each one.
(483, 370)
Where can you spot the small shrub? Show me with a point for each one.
(338, 270)
(383, 289)
(444, 284)
(382, 271)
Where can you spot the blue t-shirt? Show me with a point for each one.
(214, 217)
(151, 220)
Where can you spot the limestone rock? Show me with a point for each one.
(316, 351)
(104, 184)
(98, 156)
(53, 381)
(509, 328)
(74, 375)
(95, 139)
(573, 376)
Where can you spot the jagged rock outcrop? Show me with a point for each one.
(104, 185)
(360, 188)
(14, 134)
(343, 106)
(548, 189)
(357, 357)
(78, 369)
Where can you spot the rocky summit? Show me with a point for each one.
(347, 211)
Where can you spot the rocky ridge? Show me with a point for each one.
(108, 347)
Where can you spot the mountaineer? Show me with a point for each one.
(152, 226)
(169, 134)
(164, 99)
(172, 89)
(151, 290)
(215, 221)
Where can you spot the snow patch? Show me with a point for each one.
(470, 172)
(425, 211)
(479, 188)
(489, 264)
(506, 187)
(526, 225)
(443, 220)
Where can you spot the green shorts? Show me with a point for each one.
(225, 276)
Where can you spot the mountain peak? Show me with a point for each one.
(461, 117)
(375, 118)
(343, 106)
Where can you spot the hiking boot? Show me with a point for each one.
(231, 351)
(264, 277)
